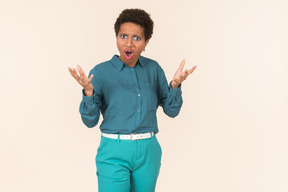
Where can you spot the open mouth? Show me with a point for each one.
(128, 54)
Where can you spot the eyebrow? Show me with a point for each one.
(132, 35)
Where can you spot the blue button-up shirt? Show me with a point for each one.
(128, 97)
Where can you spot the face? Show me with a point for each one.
(130, 43)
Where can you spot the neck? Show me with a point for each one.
(130, 64)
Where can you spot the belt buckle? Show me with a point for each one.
(131, 137)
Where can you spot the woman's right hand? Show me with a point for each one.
(83, 80)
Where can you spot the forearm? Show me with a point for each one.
(173, 101)
(90, 109)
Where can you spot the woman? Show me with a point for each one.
(128, 90)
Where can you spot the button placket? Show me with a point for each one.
(138, 105)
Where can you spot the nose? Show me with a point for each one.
(129, 42)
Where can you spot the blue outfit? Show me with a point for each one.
(128, 98)
(128, 166)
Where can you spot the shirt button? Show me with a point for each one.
(138, 95)
(132, 69)
(138, 110)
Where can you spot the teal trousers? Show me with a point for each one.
(128, 166)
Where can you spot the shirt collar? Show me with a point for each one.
(141, 61)
(120, 65)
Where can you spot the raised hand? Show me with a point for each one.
(180, 76)
(83, 80)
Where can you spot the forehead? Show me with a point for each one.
(131, 28)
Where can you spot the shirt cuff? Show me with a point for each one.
(176, 91)
(87, 99)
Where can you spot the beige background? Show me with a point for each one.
(231, 135)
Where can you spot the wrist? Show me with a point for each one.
(88, 92)
(174, 85)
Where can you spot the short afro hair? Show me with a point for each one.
(137, 16)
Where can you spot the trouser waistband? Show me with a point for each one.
(132, 136)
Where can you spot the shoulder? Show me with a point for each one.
(101, 67)
(150, 63)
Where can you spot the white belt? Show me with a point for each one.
(132, 136)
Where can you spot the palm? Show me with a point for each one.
(82, 79)
(180, 76)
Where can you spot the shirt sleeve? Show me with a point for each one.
(90, 106)
(170, 99)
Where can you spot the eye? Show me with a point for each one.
(137, 38)
(123, 36)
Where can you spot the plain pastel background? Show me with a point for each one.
(232, 132)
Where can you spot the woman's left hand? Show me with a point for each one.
(180, 76)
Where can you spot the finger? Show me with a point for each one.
(74, 74)
(81, 73)
(79, 68)
(186, 72)
(191, 70)
(70, 70)
(181, 65)
(183, 76)
(90, 78)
